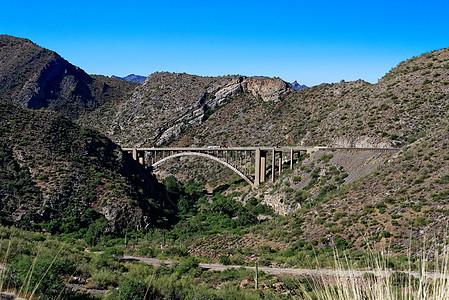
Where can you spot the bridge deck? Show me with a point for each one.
(261, 148)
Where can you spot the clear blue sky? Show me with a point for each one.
(308, 41)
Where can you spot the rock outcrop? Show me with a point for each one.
(269, 89)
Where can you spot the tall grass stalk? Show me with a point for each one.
(27, 281)
(3, 270)
(382, 283)
(46, 271)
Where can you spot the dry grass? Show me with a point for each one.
(429, 282)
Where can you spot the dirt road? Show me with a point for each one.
(284, 271)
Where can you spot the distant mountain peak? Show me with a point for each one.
(296, 86)
(132, 77)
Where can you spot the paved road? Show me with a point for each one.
(284, 271)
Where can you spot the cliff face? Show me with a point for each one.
(34, 77)
(269, 89)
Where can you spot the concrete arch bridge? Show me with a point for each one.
(253, 164)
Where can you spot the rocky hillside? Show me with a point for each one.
(362, 197)
(398, 109)
(34, 77)
(168, 104)
(62, 177)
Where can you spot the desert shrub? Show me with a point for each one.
(340, 243)
(175, 251)
(326, 158)
(381, 207)
(289, 252)
(134, 289)
(146, 251)
(296, 178)
(113, 252)
(420, 221)
(338, 215)
(224, 205)
(224, 260)
(189, 265)
(301, 196)
(386, 234)
(104, 278)
(368, 209)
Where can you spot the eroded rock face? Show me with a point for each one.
(279, 204)
(269, 89)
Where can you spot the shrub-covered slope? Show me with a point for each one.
(57, 175)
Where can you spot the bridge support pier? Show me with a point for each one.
(257, 168)
(260, 167)
(263, 165)
(141, 156)
(280, 163)
(291, 159)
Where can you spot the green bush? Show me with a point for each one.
(386, 234)
(420, 221)
(301, 196)
(326, 158)
(289, 252)
(104, 278)
(296, 178)
(189, 265)
(113, 252)
(381, 207)
(175, 251)
(224, 260)
(146, 251)
(368, 209)
(133, 289)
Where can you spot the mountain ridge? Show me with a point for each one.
(131, 77)
(35, 77)
(296, 86)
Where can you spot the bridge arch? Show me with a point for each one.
(229, 166)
